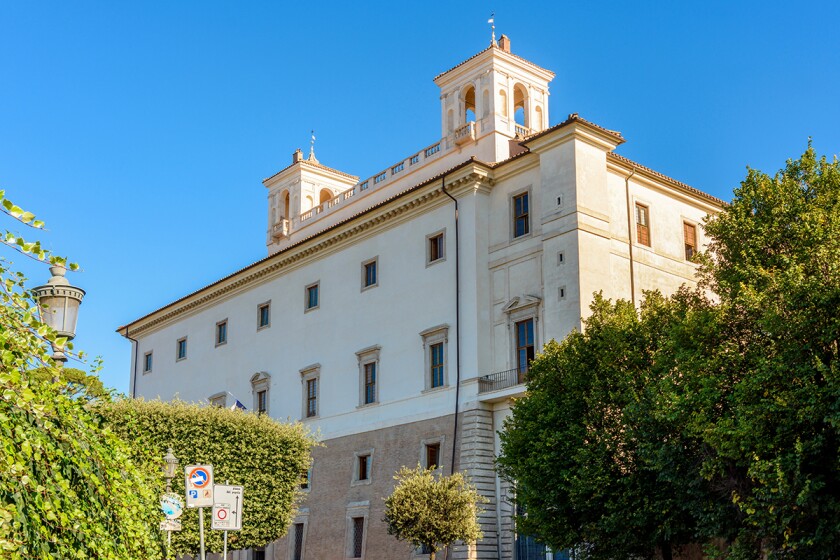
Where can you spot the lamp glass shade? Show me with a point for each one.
(170, 465)
(60, 312)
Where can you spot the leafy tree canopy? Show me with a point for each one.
(431, 510)
(68, 488)
(265, 456)
(700, 421)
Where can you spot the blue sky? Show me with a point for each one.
(140, 131)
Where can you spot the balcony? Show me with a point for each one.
(464, 134)
(501, 380)
(280, 229)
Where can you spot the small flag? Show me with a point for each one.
(492, 18)
(236, 404)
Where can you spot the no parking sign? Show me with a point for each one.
(199, 485)
(227, 508)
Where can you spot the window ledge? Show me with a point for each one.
(434, 389)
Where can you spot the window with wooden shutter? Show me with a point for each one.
(642, 225)
(690, 235)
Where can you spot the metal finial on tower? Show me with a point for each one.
(492, 22)
(312, 147)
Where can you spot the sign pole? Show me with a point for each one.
(224, 554)
(201, 531)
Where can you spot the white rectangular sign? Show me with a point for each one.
(227, 508)
(199, 485)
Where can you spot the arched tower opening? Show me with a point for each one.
(325, 196)
(286, 205)
(469, 104)
(520, 105)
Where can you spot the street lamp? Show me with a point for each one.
(58, 305)
(170, 468)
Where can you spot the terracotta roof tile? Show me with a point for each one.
(484, 51)
(639, 167)
(313, 164)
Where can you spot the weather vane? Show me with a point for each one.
(492, 22)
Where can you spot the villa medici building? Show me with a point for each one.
(397, 313)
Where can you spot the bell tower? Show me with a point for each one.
(494, 93)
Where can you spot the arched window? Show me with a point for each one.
(520, 105)
(503, 109)
(286, 205)
(469, 104)
(325, 195)
(309, 203)
(485, 103)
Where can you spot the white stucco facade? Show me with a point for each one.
(508, 269)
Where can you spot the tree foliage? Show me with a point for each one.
(68, 488)
(431, 510)
(265, 456)
(700, 421)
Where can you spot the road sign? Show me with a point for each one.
(170, 525)
(227, 508)
(199, 484)
(172, 505)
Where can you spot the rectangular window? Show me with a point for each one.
(435, 248)
(642, 225)
(147, 362)
(311, 397)
(690, 235)
(521, 222)
(312, 296)
(181, 349)
(524, 345)
(432, 455)
(262, 401)
(263, 315)
(259, 554)
(370, 382)
(305, 480)
(369, 276)
(436, 362)
(221, 332)
(364, 467)
(358, 536)
(298, 550)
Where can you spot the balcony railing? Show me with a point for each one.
(281, 229)
(465, 133)
(502, 380)
(522, 130)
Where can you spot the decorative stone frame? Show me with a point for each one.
(440, 440)
(216, 332)
(148, 358)
(178, 342)
(218, 399)
(512, 216)
(301, 518)
(434, 335)
(261, 381)
(442, 258)
(310, 372)
(259, 308)
(366, 356)
(374, 261)
(316, 285)
(522, 308)
(354, 481)
(635, 233)
(355, 510)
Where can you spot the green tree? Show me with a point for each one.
(431, 510)
(592, 468)
(68, 488)
(265, 456)
(694, 421)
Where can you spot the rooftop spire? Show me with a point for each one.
(492, 22)
(312, 148)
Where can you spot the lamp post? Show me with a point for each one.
(170, 469)
(58, 305)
